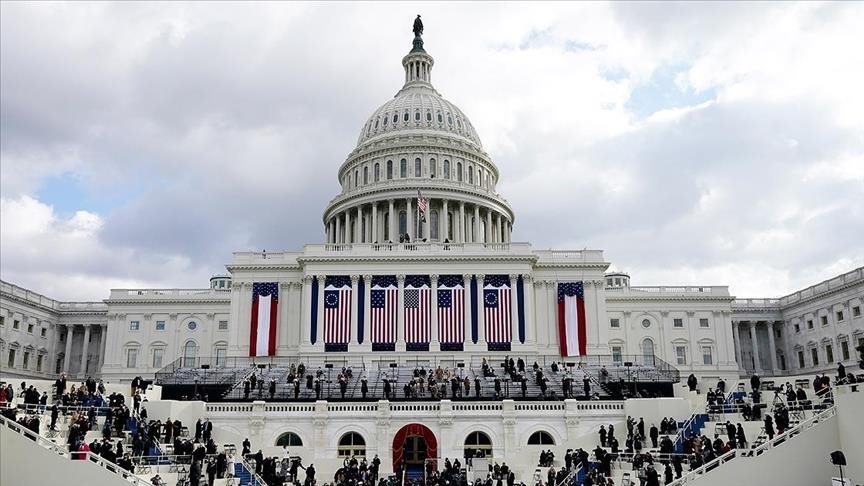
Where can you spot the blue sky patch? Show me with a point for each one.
(660, 93)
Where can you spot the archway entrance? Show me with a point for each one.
(413, 444)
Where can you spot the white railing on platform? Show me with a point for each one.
(62, 451)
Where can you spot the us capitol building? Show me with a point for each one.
(418, 265)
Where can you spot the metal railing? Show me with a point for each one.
(62, 451)
(801, 427)
(708, 466)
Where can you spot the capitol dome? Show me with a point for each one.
(418, 172)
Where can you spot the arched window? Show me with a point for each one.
(406, 117)
(440, 119)
(459, 171)
(418, 167)
(403, 168)
(479, 176)
(289, 439)
(541, 438)
(433, 225)
(190, 353)
(352, 444)
(433, 168)
(479, 443)
(395, 117)
(449, 119)
(376, 124)
(356, 178)
(403, 222)
(389, 169)
(377, 171)
(648, 351)
(470, 175)
(365, 175)
(428, 116)
(417, 115)
(446, 169)
(386, 117)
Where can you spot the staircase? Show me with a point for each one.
(689, 428)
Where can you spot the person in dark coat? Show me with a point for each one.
(654, 433)
(692, 382)
(195, 473)
(211, 473)
(653, 479)
(364, 387)
(667, 474)
(247, 447)
(477, 387)
(741, 439)
(769, 426)
(755, 382)
(259, 461)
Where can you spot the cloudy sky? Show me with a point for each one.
(716, 143)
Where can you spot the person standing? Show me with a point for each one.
(654, 433)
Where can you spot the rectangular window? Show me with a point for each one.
(132, 358)
(43, 332)
(134, 325)
(221, 355)
(39, 360)
(707, 357)
(778, 333)
(801, 360)
(677, 322)
(223, 325)
(2, 320)
(681, 355)
(614, 323)
(856, 312)
(844, 350)
(10, 363)
(703, 322)
(616, 355)
(16, 324)
(814, 353)
(797, 328)
(829, 353)
(809, 323)
(26, 362)
(823, 320)
(157, 357)
(160, 325)
(839, 316)
(29, 328)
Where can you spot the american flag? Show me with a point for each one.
(422, 203)
(417, 303)
(265, 302)
(496, 308)
(572, 330)
(451, 309)
(337, 310)
(383, 304)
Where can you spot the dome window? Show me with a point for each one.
(446, 169)
(406, 117)
(449, 119)
(385, 120)
(365, 175)
(377, 171)
(433, 168)
(428, 116)
(389, 169)
(376, 124)
(470, 175)
(459, 123)
(418, 167)
(403, 168)
(417, 115)
(440, 119)
(459, 171)
(395, 117)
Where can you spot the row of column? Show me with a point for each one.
(67, 357)
(472, 223)
(527, 286)
(750, 328)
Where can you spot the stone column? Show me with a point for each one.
(476, 238)
(353, 329)
(349, 235)
(772, 350)
(514, 309)
(738, 350)
(283, 325)
(319, 328)
(400, 313)
(391, 225)
(337, 238)
(757, 364)
(83, 370)
(68, 355)
(367, 311)
(462, 222)
(445, 223)
(427, 225)
(481, 318)
(487, 235)
(434, 345)
(375, 231)
(528, 286)
(409, 219)
(102, 331)
(358, 226)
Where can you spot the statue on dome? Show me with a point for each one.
(418, 26)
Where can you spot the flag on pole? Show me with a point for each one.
(265, 302)
(422, 205)
(451, 309)
(383, 302)
(571, 319)
(337, 310)
(496, 307)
